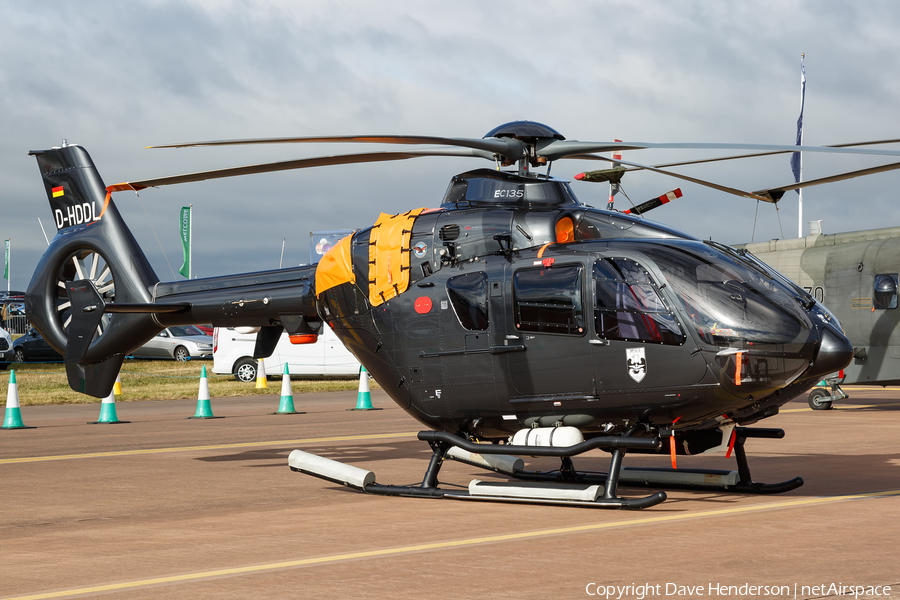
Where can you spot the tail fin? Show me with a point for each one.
(94, 244)
(95, 298)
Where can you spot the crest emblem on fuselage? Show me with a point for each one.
(636, 362)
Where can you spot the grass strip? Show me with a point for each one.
(45, 383)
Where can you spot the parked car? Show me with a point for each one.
(327, 357)
(6, 350)
(184, 342)
(33, 347)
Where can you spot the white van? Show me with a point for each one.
(233, 353)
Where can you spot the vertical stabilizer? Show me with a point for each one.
(92, 243)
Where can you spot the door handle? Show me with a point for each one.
(599, 342)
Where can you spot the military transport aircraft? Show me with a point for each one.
(512, 320)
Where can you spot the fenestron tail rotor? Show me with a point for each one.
(84, 264)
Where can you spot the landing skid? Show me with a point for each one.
(565, 486)
(738, 481)
(496, 458)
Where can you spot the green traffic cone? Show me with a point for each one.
(287, 397)
(204, 408)
(364, 397)
(108, 410)
(13, 418)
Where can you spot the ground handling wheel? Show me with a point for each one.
(819, 399)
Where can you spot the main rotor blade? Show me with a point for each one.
(768, 195)
(723, 158)
(508, 147)
(777, 192)
(709, 184)
(564, 148)
(296, 164)
(870, 143)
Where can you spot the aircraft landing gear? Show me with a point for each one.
(826, 392)
(746, 484)
(820, 399)
(739, 481)
(565, 486)
(496, 458)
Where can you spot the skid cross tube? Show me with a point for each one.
(439, 449)
(603, 442)
(441, 442)
(746, 483)
(612, 480)
(743, 485)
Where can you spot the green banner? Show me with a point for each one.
(186, 241)
(6, 268)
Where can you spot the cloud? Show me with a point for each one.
(116, 77)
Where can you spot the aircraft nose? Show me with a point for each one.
(835, 353)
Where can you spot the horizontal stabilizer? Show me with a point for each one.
(146, 309)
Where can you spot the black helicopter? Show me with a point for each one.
(512, 320)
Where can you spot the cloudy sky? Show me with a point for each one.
(118, 76)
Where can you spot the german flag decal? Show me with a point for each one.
(57, 191)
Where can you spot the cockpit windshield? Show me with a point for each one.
(732, 303)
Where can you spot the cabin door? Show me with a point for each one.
(547, 321)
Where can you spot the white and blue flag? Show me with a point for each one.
(795, 157)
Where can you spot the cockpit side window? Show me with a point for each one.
(627, 305)
(469, 296)
(548, 300)
(884, 294)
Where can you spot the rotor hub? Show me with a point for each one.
(527, 131)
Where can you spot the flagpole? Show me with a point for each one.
(191, 242)
(800, 143)
(800, 191)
